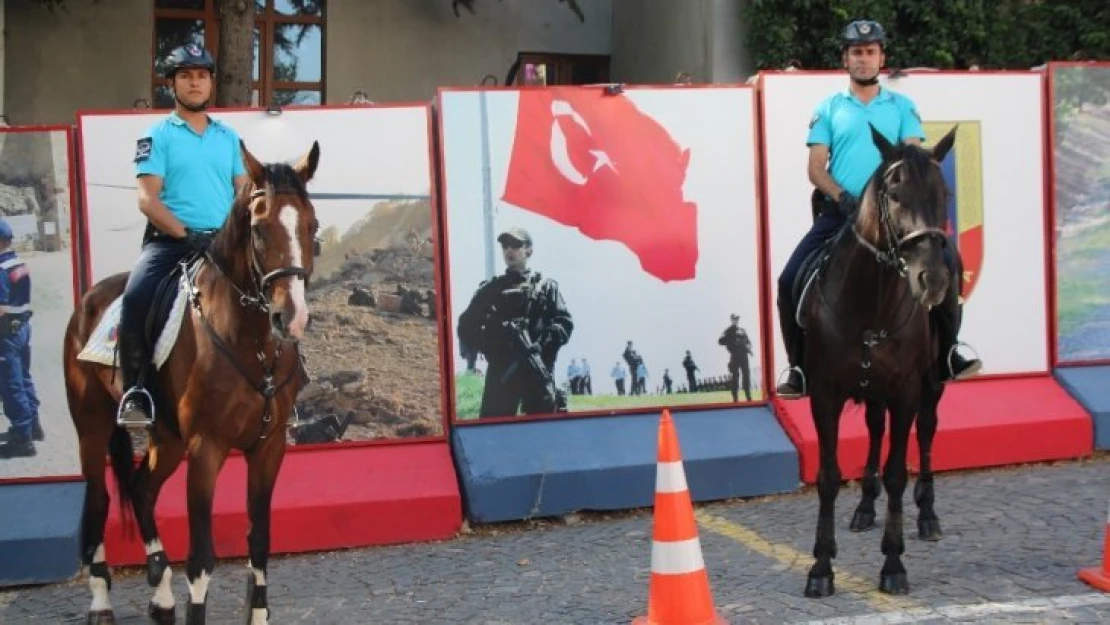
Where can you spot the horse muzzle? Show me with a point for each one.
(931, 286)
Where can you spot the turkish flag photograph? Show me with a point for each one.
(620, 230)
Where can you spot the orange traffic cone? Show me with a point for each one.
(1096, 576)
(679, 591)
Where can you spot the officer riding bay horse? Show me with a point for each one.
(229, 383)
(869, 339)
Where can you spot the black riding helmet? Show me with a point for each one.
(189, 56)
(861, 32)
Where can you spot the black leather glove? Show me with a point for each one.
(197, 241)
(847, 204)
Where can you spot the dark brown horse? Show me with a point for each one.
(869, 339)
(229, 383)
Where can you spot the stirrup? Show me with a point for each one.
(801, 374)
(123, 401)
(950, 359)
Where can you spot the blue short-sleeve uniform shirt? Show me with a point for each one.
(840, 122)
(197, 170)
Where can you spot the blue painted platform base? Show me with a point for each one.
(40, 532)
(534, 469)
(1090, 386)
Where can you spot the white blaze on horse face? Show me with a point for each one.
(289, 217)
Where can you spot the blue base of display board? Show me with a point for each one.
(1090, 386)
(40, 535)
(532, 469)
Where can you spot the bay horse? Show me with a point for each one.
(229, 382)
(869, 339)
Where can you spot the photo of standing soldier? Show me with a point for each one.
(518, 321)
(618, 373)
(21, 403)
(739, 347)
(690, 367)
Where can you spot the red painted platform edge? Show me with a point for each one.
(325, 499)
(982, 423)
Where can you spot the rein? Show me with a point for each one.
(250, 301)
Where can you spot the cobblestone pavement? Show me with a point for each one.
(1014, 539)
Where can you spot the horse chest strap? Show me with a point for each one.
(870, 340)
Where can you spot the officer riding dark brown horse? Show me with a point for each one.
(869, 339)
(229, 383)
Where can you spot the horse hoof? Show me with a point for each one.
(194, 614)
(101, 617)
(929, 529)
(895, 584)
(162, 616)
(817, 587)
(862, 521)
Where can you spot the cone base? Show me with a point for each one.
(716, 620)
(1096, 577)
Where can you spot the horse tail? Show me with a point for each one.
(123, 467)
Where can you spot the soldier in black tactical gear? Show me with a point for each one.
(519, 321)
(739, 347)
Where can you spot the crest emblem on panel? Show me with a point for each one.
(963, 173)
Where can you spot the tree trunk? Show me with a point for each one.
(235, 59)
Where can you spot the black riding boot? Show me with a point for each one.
(950, 364)
(135, 406)
(794, 387)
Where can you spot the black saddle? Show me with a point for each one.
(164, 297)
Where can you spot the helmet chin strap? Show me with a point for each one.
(195, 108)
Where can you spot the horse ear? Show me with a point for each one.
(306, 167)
(940, 150)
(254, 169)
(885, 148)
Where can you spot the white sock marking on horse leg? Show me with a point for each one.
(154, 546)
(288, 218)
(198, 590)
(99, 586)
(259, 616)
(259, 574)
(163, 594)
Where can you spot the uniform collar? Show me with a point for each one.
(176, 120)
(8, 253)
(883, 96)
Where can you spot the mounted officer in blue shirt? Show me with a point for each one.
(21, 404)
(842, 159)
(188, 166)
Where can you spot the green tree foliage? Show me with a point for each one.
(954, 34)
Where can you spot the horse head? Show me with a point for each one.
(903, 217)
(276, 224)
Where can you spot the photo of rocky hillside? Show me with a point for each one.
(372, 347)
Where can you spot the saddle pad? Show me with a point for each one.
(102, 343)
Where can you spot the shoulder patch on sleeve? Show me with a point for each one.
(813, 121)
(143, 148)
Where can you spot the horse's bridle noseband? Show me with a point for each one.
(892, 256)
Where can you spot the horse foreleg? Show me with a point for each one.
(93, 519)
(928, 524)
(160, 463)
(826, 419)
(864, 517)
(893, 578)
(262, 470)
(205, 461)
